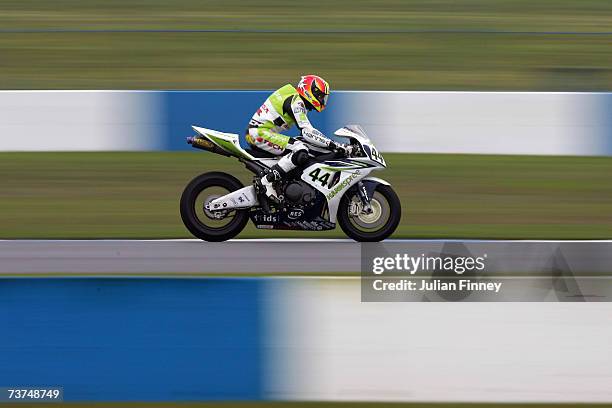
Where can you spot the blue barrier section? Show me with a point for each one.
(225, 111)
(337, 114)
(133, 339)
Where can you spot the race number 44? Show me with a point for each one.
(319, 176)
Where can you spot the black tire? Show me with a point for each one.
(389, 226)
(188, 207)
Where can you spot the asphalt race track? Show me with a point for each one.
(275, 256)
(178, 256)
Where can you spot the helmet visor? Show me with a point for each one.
(319, 95)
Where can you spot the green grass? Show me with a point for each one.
(543, 15)
(135, 195)
(276, 404)
(434, 61)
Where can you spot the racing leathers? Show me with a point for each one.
(279, 112)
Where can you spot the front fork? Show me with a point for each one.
(365, 201)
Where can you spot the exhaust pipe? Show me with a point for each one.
(205, 144)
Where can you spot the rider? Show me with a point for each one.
(279, 112)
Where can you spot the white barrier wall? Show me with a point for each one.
(79, 121)
(325, 345)
(484, 122)
(421, 122)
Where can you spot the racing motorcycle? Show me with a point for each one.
(330, 189)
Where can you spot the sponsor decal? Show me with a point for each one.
(315, 135)
(295, 214)
(265, 218)
(364, 192)
(300, 108)
(343, 184)
(263, 109)
(273, 145)
(243, 198)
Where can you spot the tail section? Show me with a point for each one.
(227, 144)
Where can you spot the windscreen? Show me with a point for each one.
(357, 129)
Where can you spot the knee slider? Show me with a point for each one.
(299, 158)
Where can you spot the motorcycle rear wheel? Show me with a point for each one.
(201, 222)
(374, 227)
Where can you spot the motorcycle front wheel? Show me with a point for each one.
(203, 223)
(375, 226)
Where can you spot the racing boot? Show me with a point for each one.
(266, 183)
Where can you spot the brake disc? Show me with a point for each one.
(376, 217)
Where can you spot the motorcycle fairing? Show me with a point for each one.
(334, 177)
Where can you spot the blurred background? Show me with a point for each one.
(441, 45)
(519, 45)
(528, 158)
